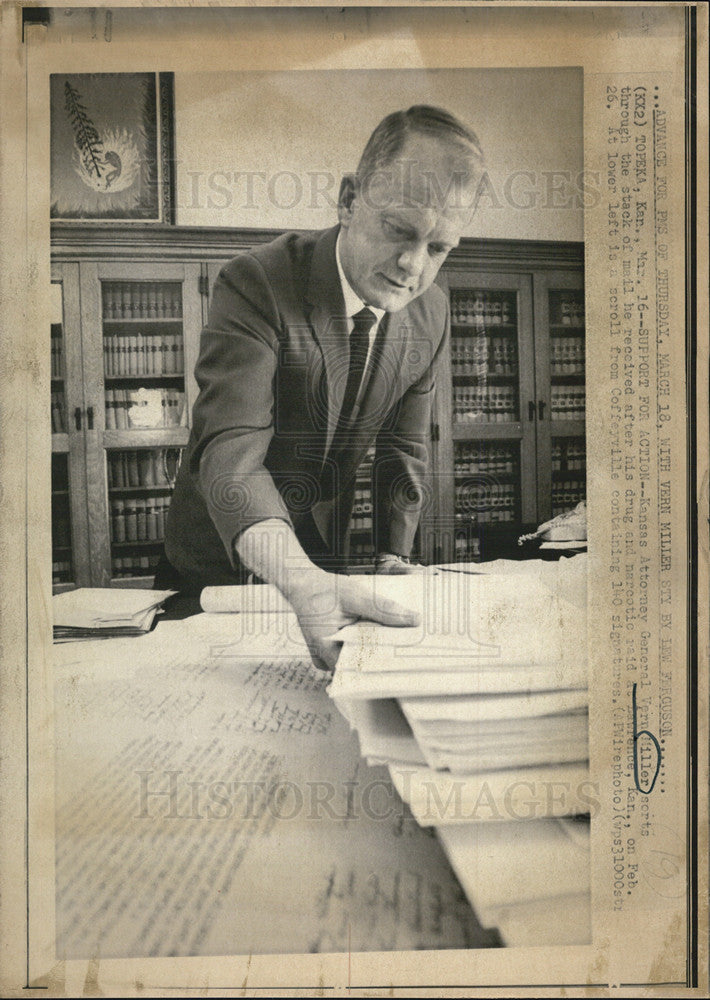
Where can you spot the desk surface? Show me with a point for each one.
(211, 800)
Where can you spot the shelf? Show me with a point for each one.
(133, 582)
(493, 527)
(501, 477)
(566, 329)
(142, 543)
(164, 377)
(489, 330)
(138, 490)
(146, 320)
(472, 431)
(567, 428)
(486, 377)
(147, 437)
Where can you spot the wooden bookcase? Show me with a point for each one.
(509, 424)
(129, 303)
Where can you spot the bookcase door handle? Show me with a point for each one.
(541, 409)
(90, 418)
(531, 410)
(77, 418)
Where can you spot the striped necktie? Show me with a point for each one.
(363, 322)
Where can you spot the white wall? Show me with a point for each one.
(271, 126)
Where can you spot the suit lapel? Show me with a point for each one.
(330, 327)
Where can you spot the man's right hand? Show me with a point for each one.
(325, 602)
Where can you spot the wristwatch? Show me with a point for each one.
(382, 558)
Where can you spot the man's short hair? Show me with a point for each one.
(387, 141)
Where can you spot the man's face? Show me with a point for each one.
(398, 229)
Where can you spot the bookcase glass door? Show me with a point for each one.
(569, 476)
(58, 403)
(63, 571)
(142, 322)
(143, 354)
(145, 377)
(70, 545)
(140, 482)
(566, 311)
(561, 376)
(491, 450)
(487, 493)
(361, 546)
(484, 356)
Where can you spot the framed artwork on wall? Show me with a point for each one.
(112, 147)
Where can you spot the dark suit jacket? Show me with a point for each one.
(265, 441)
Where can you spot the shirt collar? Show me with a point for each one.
(353, 302)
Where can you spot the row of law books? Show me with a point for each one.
(361, 554)
(361, 519)
(472, 308)
(494, 502)
(568, 311)
(483, 356)
(480, 713)
(485, 460)
(140, 467)
(143, 354)
(139, 519)
(135, 565)
(487, 404)
(142, 300)
(567, 494)
(129, 409)
(567, 402)
(567, 355)
(467, 547)
(570, 456)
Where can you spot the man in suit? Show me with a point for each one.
(317, 345)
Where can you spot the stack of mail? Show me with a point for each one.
(494, 677)
(478, 635)
(98, 613)
(481, 714)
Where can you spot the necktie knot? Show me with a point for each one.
(363, 321)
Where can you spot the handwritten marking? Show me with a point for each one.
(637, 735)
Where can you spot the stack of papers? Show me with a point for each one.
(478, 635)
(481, 715)
(492, 680)
(489, 732)
(103, 613)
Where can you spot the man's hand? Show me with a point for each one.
(325, 602)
